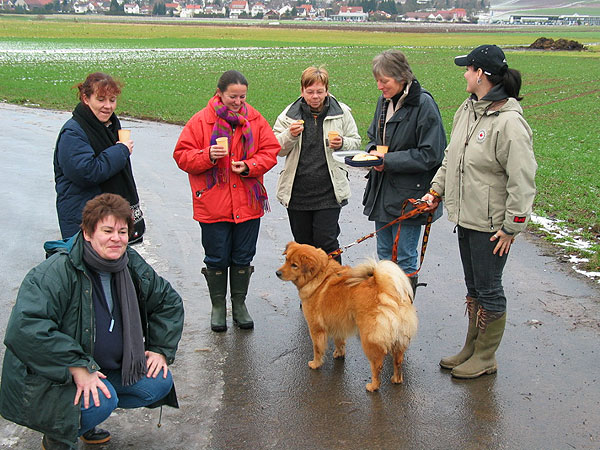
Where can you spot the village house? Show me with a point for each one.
(131, 8)
(258, 8)
(191, 10)
(238, 7)
(351, 14)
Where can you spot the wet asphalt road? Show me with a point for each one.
(254, 390)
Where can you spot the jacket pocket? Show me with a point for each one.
(42, 398)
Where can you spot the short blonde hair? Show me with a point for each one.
(312, 75)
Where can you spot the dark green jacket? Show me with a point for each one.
(51, 328)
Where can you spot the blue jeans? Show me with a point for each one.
(407, 244)
(483, 270)
(143, 393)
(229, 244)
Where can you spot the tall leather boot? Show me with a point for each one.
(239, 281)
(217, 287)
(450, 362)
(491, 328)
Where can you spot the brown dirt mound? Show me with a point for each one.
(560, 44)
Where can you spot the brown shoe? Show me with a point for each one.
(95, 436)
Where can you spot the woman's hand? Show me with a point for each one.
(239, 167)
(378, 168)
(128, 144)
(217, 151)
(155, 362)
(432, 200)
(88, 383)
(336, 143)
(296, 128)
(504, 242)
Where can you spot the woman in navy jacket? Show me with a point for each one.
(90, 160)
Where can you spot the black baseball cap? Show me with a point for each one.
(489, 58)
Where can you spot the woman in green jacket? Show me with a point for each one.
(93, 328)
(487, 181)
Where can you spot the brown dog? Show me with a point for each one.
(374, 299)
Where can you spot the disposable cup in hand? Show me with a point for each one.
(222, 141)
(124, 135)
(382, 148)
(331, 135)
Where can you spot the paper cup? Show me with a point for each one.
(124, 135)
(222, 141)
(382, 148)
(332, 135)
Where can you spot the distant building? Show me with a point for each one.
(350, 14)
(238, 7)
(191, 11)
(131, 8)
(306, 11)
(32, 5)
(258, 8)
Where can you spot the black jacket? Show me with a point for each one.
(416, 140)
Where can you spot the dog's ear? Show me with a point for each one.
(287, 247)
(311, 263)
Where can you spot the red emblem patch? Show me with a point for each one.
(519, 219)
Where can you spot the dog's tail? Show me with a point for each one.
(397, 318)
(388, 274)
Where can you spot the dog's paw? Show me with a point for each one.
(397, 379)
(314, 365)
(372, 387)
(339, 352)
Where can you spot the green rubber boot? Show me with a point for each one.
(450, 362)
(239, 279)
(483, 361)
(217, 287)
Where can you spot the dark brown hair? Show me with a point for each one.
(105, 205)
(231, 77)
(99, 83)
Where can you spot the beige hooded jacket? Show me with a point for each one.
(487, 178)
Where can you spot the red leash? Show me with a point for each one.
(419, 207)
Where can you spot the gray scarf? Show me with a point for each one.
(133, 366)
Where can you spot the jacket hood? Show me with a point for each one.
(295, 110)
(481, 107)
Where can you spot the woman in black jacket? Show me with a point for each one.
(408, 122)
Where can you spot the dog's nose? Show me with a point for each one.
(278, 273)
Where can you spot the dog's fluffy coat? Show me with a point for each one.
(373, 299)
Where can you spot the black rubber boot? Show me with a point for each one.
(239, 282)
(217, 287)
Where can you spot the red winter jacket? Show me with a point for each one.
(224, 203)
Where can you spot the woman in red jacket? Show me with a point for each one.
(227, 190)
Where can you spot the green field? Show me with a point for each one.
(170, 72)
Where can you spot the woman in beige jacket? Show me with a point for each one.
(487, 181)
(313, 186)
